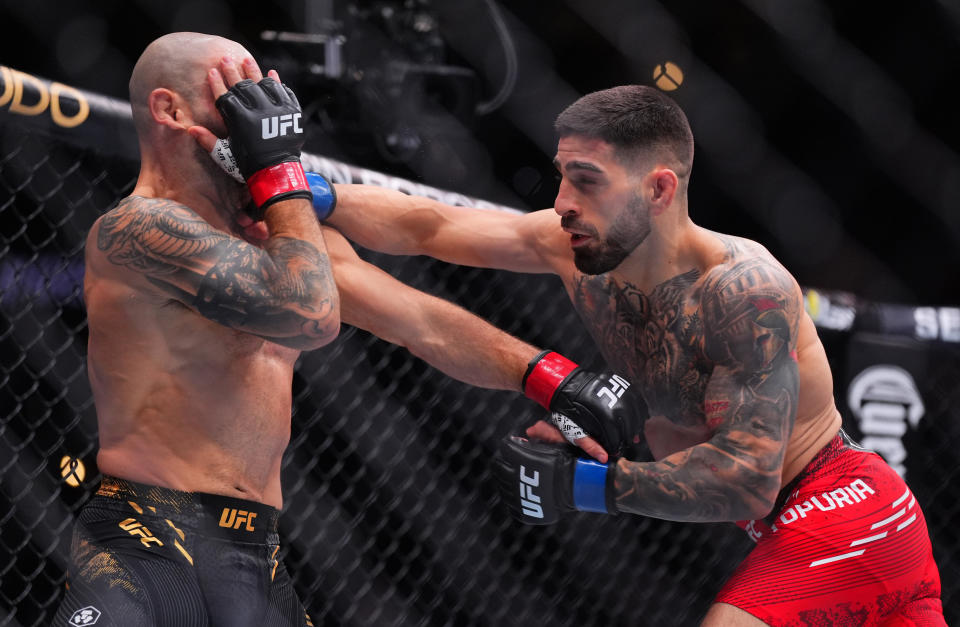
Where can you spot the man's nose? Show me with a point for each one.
(566, 202)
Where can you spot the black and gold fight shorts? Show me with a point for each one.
(144, 555)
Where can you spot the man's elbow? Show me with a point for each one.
(319, 328)
(763, 497)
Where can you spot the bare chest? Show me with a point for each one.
(655, 338)
(188, 334)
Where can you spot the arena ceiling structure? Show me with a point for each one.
(825, 130)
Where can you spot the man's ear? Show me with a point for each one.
(663, 187)
(167, 109)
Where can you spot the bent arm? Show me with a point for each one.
(395, 223)
(750, 405)
(448, 337)
(733, 476)
(283, 292)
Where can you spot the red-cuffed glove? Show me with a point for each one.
(584, 402)
(263, 120)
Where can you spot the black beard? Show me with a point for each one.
(627, 232)
(603, 260)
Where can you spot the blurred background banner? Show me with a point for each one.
(824, 130)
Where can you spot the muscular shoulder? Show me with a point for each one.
(751, 306)
(140, 232)
(147, 220)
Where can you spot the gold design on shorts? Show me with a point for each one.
(232, 518)
(134, 528)
(183, 551)
(273, 573)
(135, 507)
(103, 565)
(175, 528)
(177, 544)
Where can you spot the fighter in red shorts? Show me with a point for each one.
(711, 330)
(846, 544)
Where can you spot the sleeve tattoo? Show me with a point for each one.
(751, 313)
(283, 290)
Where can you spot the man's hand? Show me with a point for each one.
(540, 481)
(583, 403)
(263, 119)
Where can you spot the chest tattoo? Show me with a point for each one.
(656, 338)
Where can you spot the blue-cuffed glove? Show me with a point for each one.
(540, 481)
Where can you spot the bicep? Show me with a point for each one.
(751, 315)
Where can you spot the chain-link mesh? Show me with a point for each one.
(391, 512)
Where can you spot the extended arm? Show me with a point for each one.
(472, 350)
(392, 222)
(444, 335)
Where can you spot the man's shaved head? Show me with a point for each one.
(178, 62)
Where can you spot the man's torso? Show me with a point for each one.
(658, 339)
(182, 401)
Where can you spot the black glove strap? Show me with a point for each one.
(530, 366)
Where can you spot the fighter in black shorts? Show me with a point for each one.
(195, 326)
(158, 556)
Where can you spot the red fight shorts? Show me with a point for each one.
(846, 544)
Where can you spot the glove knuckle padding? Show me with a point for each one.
(274, 91)
(585, 403)
(248, 94)
(292, 97)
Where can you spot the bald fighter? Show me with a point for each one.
(196, 320)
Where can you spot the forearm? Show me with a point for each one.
(298, 274)
(384, 220)
(700, 484)
(468, 348)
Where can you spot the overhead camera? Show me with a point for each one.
(373, 79)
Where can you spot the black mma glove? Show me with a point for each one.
(263, 120)
(584, 402)
(540, 481)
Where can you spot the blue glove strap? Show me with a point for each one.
(324, 195)
(589, 486)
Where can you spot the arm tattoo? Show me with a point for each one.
(751, 312)
(281, 291)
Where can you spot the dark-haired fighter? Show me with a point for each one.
(712, 331)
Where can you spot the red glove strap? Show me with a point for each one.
(275, 180)
(546, 377)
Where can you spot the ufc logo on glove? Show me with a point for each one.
(530, 502)
(278, 125)
(619, 385)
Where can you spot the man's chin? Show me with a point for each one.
(593, 264)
